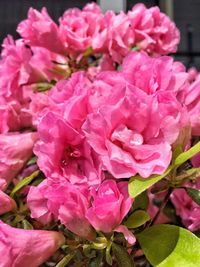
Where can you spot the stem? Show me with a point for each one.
(163, 204)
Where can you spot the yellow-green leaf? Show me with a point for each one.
(27, 180)
(137, 218)
(137, 184)
(170, 246)
(183, 157)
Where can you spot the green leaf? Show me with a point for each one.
(97, 261)
(32, 161)
(141, 202)
(64, 262)
(194, 194)
(122, 257)
(170, 246)
(137, 184)
(26, 225)
(108, 256)
(27, 180)
(43, 86)
(137, 218)
(183, 157)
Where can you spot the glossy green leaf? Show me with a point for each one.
(183, 157)
(170, 246)
(137, 218)
(108, 256)
(194, 194)
(64, 262)
(121, 255)
(137, 184)
(141, 202)
(27, 180)
(97, 261)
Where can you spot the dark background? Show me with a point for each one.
(186, 16)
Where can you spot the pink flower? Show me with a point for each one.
(186, 208)
(20, 247)
(154, 74)
(193, 74)
(82, 29)
(62, 201)
(109, 197)
(15, 151)
(40, 30)
(134, 134)
(154, 31)
(120, 36)
(14, 67)
(37, 203)
(63, 152)
(191, 97)
(10, 115)
(6, 203)
(52, 66)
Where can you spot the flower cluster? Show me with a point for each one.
(81, 113)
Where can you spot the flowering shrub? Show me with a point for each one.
(99, 142)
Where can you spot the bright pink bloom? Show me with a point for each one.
(109, 197)
(127, 234)
(15, 151)
(68, 98)
(154, 74)
(19, 247)
(14, 67)
(191, 98)
(6, 203)
(10, 115)
(37, 203)
(62, 201)
(134, 134)
(63, 152)
(120, 36)
(193, 74)
(40, 30)
(52, 66)
(82, 29)
(154, 31)
(186, 208)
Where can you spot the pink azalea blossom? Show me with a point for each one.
(134, 134)
(154, 74)
(14, 67)
(52, 66)
(154, 31)
(193, 74)
(60, 200)
(40, 30)
(15, 151)
(120, 36)
(191, 97)
(10, 115)
(81, 30)
(19, 247)
(37, 200)
(6, 203)
(110, 196)
(186, 208)
(63, 152)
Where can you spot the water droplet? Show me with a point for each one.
(136, 139)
